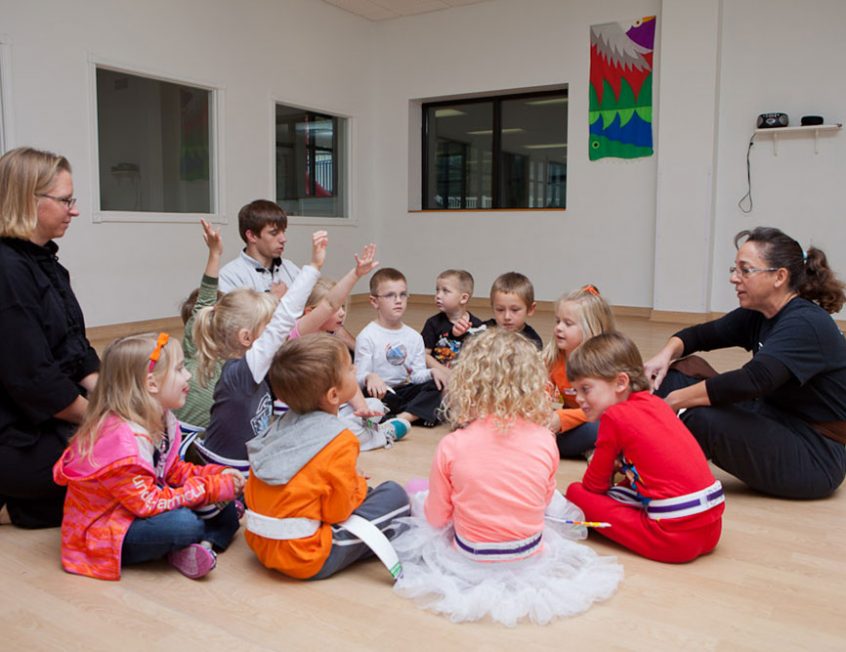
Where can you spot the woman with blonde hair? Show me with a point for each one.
(48, 366)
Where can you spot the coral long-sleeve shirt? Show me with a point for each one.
(493, 485)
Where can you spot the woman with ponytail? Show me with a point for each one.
(779, 422)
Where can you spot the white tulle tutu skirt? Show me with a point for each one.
(564, 579)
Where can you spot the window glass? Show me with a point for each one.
(503, 152)
(154, 145)
(310, 162)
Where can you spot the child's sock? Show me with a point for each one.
(194, 561)
(395, 429)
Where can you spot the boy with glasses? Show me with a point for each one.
(391, 358)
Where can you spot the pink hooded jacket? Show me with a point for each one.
(117, 483)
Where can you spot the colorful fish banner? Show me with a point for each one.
(620, 109)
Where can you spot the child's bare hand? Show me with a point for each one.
(555, 422)
(364, 264)
(460, 327)
(212, 238)
(440, 375)
(237, 477)
(278, 289)
(368, 412)
(375, 386)
(319, 242)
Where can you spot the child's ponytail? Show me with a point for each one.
(216, 328)
(207, 350)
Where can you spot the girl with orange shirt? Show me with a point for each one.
(578, 316)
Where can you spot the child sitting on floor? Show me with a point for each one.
(303, 480)
(512, 302)
(484, 546)
(245, 329)
(129, 495)
(578, 316)
(324, 312)
(390, 356)
(194, 415)
(668, 507)
(444, 333)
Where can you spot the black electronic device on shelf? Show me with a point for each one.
(772, 120)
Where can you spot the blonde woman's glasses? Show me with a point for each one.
(70, 202)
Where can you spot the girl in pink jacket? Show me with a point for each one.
(130, 498)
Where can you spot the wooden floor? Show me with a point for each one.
(777, 581)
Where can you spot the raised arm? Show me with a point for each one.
(336, 297)
(215, 244)
(260, 355)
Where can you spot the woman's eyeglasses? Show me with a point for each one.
(70, 202)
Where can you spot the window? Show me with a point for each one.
(496, 152)
(310, 162)
(154, 140)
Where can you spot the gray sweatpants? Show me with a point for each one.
(382, 506)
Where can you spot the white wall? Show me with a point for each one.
(255, 50)
(645, 239)
(606, 234)
(780, 55)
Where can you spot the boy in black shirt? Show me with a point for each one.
(444, 333)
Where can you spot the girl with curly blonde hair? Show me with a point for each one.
(483, 545)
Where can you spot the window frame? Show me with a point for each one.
(496, 144)
(216, 140)
(347, 218)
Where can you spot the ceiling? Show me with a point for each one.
(377, 10)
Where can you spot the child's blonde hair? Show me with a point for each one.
(606, 355)
(122, 387)
(216, 327)
(594, 314)
(305, 368)
(499, 374)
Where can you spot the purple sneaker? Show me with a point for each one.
(194, 561)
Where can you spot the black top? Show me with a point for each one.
(798, 364)
(527, 332)
(438, 337)
(43, 349)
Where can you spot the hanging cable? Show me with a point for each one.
(748, 194)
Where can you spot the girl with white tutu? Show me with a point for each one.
(479, 543)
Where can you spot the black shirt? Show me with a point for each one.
(803, 338)
(527, 332)
(438, 337)
(44, 352)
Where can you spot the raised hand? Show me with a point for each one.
(212, 238)
(365, 264)
(319, 242)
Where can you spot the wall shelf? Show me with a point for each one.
(815, 129)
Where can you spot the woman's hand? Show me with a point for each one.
(657, 366)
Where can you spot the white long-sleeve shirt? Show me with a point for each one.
(397, 356)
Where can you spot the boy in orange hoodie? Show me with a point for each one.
(303, 478)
